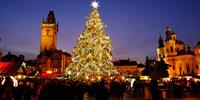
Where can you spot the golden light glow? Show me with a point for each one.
(87, 77)
(92, 54)
(69, 72)
(166, 79)
(19, 76)
(49, 71)
(144, 78)
(99, 77)
(123, 78)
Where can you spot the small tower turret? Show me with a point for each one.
(170, 34)
(160, 42)
(160, 49)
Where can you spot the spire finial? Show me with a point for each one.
(95, 4)
(168, 28)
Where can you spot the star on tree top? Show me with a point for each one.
(95, 5)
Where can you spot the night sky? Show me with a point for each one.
(133, 25)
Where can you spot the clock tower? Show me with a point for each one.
(49, 33)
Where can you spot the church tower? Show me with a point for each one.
(49, 33)
(161, 49)
(170, 42)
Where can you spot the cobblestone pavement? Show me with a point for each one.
(132, 96)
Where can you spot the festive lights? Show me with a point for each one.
(92, 55)
(49, 71)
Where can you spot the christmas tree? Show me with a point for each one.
(92, 56)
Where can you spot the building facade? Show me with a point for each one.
(128, 68)
(180, 57)
(50, 58)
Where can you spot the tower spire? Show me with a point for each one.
(160, 41)
(51, 18)
(49, 32)
(168, 29)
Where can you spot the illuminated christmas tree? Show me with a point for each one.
(92, 56)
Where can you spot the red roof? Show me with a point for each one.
(49, 75)
(6, 68)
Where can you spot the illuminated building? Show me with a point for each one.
(51, 59)
(182, 60)
(127, 67)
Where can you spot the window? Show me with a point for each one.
(171, 49)
(47, 31)
(197, 67)
(188, 67)
(180, 70)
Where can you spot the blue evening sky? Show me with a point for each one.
(133, 25)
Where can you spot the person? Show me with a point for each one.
(7, 89)
(102, 92)
(135, 87)
(18, 91)
(155, 90)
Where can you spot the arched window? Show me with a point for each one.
(171, 49)
(180, 70)
(188, 67)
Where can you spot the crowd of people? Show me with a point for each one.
(160, 89)
(61, 89)
(65, 89)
